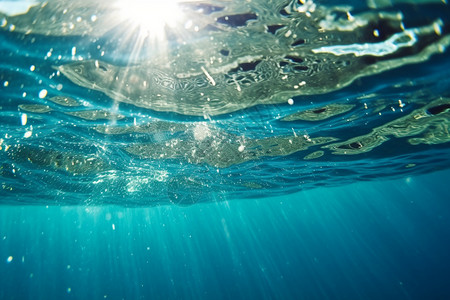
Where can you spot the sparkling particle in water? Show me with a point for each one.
(291, 101)
(93, 18)
(437, 28)
(43, 93)
(69, 290)
(74, 51)
(241, 148)
(32, 68)
(23, 119)
(9, 259)
(113, 227)
(5, 84)
(27, 134)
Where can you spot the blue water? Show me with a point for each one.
(378, 240)
(81, 217)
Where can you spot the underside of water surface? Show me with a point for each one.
(202, 101)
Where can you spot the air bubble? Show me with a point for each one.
(23, 119)
(43, 94)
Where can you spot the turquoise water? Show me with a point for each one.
(260, 150)
(378, 240)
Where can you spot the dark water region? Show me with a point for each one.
(366, 240)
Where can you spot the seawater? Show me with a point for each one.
(310, 162)
(377, 240)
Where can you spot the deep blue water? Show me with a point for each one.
(378, 240)
(246, 204)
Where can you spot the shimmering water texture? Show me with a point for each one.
(228, 99)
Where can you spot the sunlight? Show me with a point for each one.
(150, 16)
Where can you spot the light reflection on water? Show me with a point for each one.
(211, 117)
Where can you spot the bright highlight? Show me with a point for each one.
(150, 16)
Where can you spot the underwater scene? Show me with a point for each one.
(224, 149)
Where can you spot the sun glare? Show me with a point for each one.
(150, 16)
